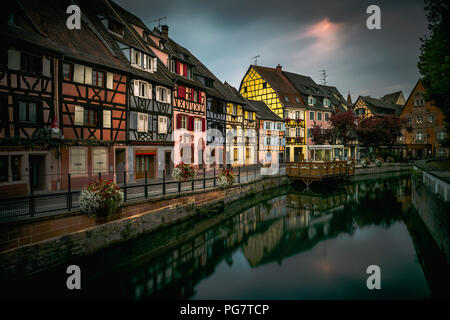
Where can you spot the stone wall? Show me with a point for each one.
(46, 254)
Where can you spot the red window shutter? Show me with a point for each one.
(178, 67)
(192, 94)
(203, 124)
(178, 121)
(191, 123)
(199, 96)
(179, 92)
(183, 92)
(184, 70)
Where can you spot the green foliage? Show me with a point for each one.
(434, 59)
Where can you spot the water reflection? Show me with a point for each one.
(293, 246)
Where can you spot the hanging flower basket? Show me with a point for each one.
(101, 197)
(225, 179)
(183, 171)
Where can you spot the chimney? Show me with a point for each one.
(165, 31)
(279, 68)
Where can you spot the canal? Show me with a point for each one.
(288, 245)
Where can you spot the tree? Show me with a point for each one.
(379, 131)
(434, 59)
(319, 135)
(343, 126)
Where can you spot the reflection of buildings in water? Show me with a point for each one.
(270, 231)
(177, 273)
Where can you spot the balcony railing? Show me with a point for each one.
(295, 122)
(295, 140)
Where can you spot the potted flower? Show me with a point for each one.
(225, 179)
(101, 197)
(183, 171)
(379, 160)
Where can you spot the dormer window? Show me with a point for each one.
(311, 100)
(115, 26)
(286, 98)
(326, 102)
(297, 99)
(143, 61)
(209, 82)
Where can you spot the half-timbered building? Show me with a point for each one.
(150, 112)
(235, 142)
(189, 99)
(271, 86)
(271, 131)
(27, 105)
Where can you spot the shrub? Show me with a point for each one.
(100, 196)
(225, 179)
(183, 171)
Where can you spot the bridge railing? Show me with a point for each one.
(320, 170)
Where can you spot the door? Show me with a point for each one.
(298, 155)
(120, 165)
(168, 163)
(37, 172)
(145, 163)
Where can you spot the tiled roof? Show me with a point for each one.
(263, 111)
(234, 95)
(281, 84)
(374, 104)
(391, 97)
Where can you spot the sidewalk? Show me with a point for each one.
(57, 203)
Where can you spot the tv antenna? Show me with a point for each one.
(323, 76)
(159, 22)
(256, 59)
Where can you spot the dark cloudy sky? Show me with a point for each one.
(303, 36)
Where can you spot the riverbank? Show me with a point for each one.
(90, 234)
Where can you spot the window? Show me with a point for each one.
(98, 78)
(360, 111)
(245, 89)
(234, 110)
(430, 118)
(91, 117)
(298, 115)
(172, 65)
(326, 102)
(197, 124)
(419, 119)
(264, 85)
(77, 160)
(419, 136)
(163, 94)
(297, 99)
(310, 101)
(67, 71)
(419, 101)
(442, 153)
(327, 116)
(162, 124)
(142, 122)
(441, 135)
(30, 63)
(184, 120)
(319, 116)
(286, 98)
(278, 126)
(409, 121)
(115, 26)
(16, 164)
(100, 160)
(137, 58)
(195, 96)
(267, 141)
(28, 111)
(311, 115)
(235, 154)
(267, 125)
(106, 118)
(4, 175)
(298, 132)
(292, 132)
